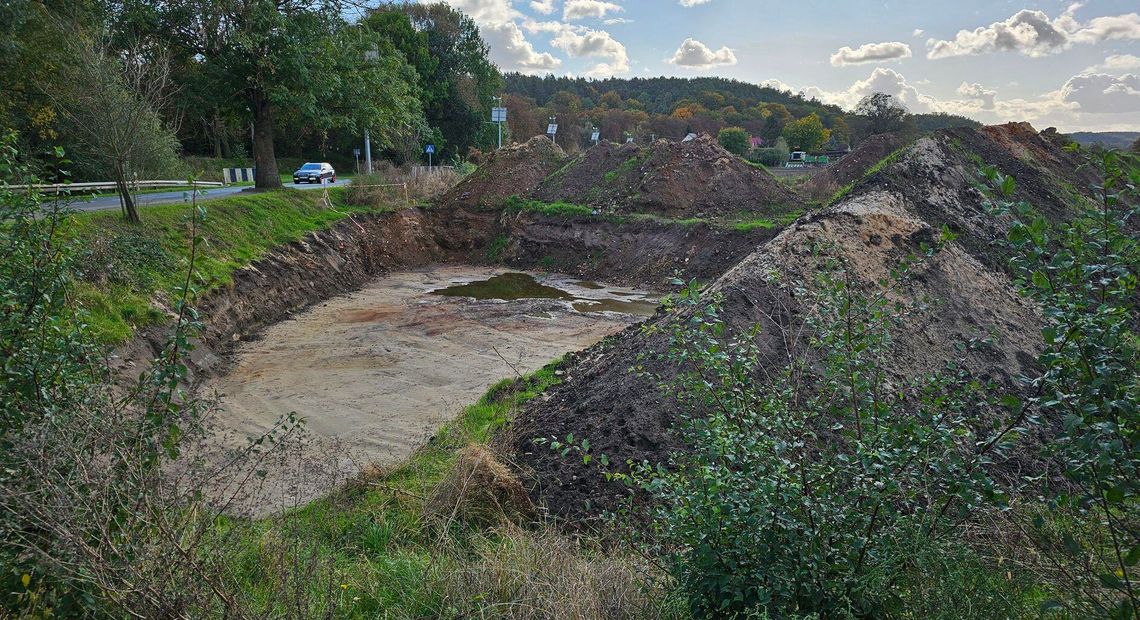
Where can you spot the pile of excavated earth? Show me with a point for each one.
(888, 216)
(690, 179)
(891, 212)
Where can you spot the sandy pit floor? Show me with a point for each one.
(375, 372)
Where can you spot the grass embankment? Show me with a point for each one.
(402, 543)
(740, 222)
(131, 272)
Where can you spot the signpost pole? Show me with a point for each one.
(367, 153)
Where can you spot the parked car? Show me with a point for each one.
(314, 172)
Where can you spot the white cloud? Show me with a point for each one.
(486, 11)
(918, 32)
(1086, 102)
(617, 20)
(1116, 63)
(580, 9)
(692, 3)
(1109, 28)
(546, 7)
(870, 52)
(1103, 93)
(585, 42)
(511, 50)
(1035, 34)
(509, 47)
(977, 92)
(696, 55)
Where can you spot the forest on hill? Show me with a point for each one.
(672, 107)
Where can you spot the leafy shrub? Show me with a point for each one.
(792, 494)
(1084, 276)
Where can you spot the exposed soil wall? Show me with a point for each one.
(360, 248)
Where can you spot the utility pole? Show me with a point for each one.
(369, 56)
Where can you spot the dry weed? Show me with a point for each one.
(523, 574)
(391, 186)
(479, 490)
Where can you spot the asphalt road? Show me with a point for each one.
(103, 203)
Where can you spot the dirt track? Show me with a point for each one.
(375, 372)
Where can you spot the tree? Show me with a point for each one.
(734, 140)
(456, 76)
(884, 114)
(263, 56)
(111, 104)
(807, 133)
(1135, 148)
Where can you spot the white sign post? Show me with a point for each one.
(552, 129)
(499, 116)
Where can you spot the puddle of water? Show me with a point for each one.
(508, 286)
(638, 308)
(590, 285)
(512, 286)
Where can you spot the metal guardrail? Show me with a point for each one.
(56, 188)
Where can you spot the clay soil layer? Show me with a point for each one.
(374, 373)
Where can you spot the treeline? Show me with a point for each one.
(255, 79)
(644, 108)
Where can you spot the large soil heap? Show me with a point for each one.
(513, 170)
(885, 218)
(855, 164)
(680, 180)
(697, 178)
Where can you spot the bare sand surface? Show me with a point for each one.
(375, 372)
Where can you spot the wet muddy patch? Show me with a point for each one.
(374, 373)
(583, 295)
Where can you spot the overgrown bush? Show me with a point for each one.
(792, 494)
(394, 187)
(102, 513)
(1083, 274)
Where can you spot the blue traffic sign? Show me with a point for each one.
(429, 149)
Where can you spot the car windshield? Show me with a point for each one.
(311, 167)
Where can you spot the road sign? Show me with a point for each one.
(594, 136)
(429, 149)
(552, 129)
(498, 115)
(356, 152)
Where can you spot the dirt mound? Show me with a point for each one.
(885, 218)
(855, 164)
(513, 170)
(697, 178)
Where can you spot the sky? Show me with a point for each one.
(1074, 66)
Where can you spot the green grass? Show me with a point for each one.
(127, 267)
(374, 537)
(563, 209)
(886, 161)
(628, 166)
(497, 246)
(781, 220)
